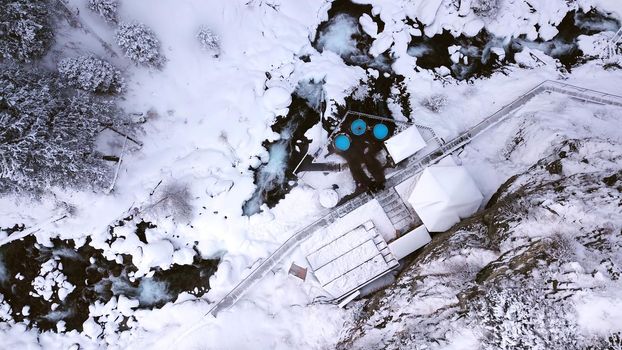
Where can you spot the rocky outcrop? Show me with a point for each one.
(511, 277)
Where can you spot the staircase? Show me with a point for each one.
(395, 208)
(382, 245)
(431, 134)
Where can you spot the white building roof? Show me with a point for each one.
(405, 144)
(351, 260)
(444, 195)
(410, 242)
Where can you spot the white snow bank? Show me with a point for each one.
(277, 98)
(328, 199)
(426, 11)
(369, 26)
(340, 78)
(600, 314)
(156, 254)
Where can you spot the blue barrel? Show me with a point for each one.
(381, 131)
(342, 142)
(358, 127)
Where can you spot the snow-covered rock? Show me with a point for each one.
(328, 198)
(276, 98)
(155, 254)
(92, 329)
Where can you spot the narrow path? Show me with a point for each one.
(406, 169)
(74, 20)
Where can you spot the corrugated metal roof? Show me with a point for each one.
(351, 260)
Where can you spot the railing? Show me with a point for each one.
(583, 93)
(408, 168)
(461, 140)
(401, 123)
(611, 49)
(432, 132)
(377, 117)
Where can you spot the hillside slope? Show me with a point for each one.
(538, 269)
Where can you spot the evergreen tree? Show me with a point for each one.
(107, 9)
(47, 133)
(25, 30)
(140, 44)
(91, 74)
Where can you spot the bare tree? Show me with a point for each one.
(485, 8)
(174, 200)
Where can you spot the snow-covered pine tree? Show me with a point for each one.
(140, 44)
(25, 30)
(91, 74)
(47, 133)
(107, 9)
(208, 40)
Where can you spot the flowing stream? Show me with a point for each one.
(480, 56)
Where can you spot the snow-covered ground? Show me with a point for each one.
(206, 120)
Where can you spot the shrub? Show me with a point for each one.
(208, 40)
(140, 44)
(107, 9)
(174, 200)
(435, 103)
(91, 74)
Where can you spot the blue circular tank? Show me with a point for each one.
(380, 131)
(342, 142)
(358, 127)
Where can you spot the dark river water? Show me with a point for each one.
(93, 277)
(431, 52)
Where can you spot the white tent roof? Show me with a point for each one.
(444, 195)
(405, 144)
